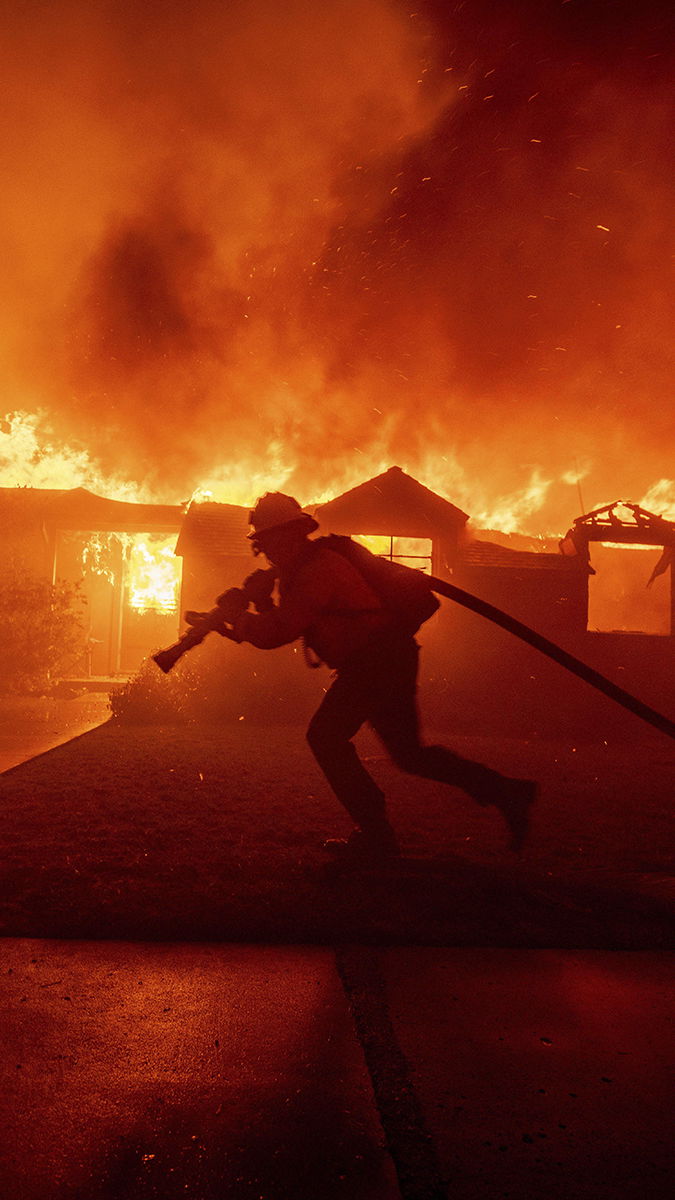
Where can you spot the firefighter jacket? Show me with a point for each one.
(325, 601)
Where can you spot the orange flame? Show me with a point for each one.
(153, 574)
(31, 457)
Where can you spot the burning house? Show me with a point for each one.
(546, 586)
(120, 553)
(618, 529)
(392, 514)
(445, 254)
(140, 565)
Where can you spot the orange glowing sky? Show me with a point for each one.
(258, 245)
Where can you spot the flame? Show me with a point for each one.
(103, 553)
(243, 482)
(510, 513)
(334, 256)
(153, 574)
(410, 552)
(30, 456)
(660, 499)
(146, 566)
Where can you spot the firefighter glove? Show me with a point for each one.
(258, 588)
(232, 604)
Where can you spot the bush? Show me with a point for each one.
(42, 631)
(219, 682)
(151, 698)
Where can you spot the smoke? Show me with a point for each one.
(258, 245)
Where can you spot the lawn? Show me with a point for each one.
(175, 832)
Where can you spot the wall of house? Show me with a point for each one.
(477, 679)
(206, 576)
(553, 602)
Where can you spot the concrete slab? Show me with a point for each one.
(31, 725)
(138, 1071)
(542, 1074)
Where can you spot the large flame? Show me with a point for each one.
(255, 246)
(143, 566)
(153, 575)
(28, 461)
(32, 456)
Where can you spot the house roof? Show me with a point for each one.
(214, 529)
(623, 521)
(490, 555)
(391, 503)
(76, 508)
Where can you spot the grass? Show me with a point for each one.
(210, 833)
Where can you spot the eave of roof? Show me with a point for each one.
(77, 508)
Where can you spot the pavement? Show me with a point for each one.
(31, 725)
(223, 1072)
(148, 1071)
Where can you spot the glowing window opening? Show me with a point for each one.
(619, 600)
(153, 573)
(411, 552)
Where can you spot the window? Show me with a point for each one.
(619, 600)
(153, 573)
(411, 552)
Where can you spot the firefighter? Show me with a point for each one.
(325, 601)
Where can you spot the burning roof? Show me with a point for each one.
(625, 522)
(77, 508)
(392, 502)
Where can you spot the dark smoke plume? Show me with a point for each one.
(258, 243)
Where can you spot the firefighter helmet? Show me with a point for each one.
(274, 509)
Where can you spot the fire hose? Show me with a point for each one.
(213, 620)
(555, 652)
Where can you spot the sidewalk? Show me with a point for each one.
(31, 725)
(135, 1071)
(541, 1075)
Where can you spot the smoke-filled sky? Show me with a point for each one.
(258, 245)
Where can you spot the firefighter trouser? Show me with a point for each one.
(380, 687)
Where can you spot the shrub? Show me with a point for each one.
(218, 682)
(42, 630)
(151, 698)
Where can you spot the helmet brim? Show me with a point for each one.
(305, 520)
